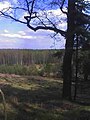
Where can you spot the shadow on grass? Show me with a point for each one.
(42, 94)
(34, 104)
(77, 114)
(39, 103)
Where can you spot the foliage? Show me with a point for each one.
(82, 23)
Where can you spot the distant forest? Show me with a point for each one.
(42, 62)
(31, 62)
(28, 57)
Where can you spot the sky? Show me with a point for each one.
(15, 35)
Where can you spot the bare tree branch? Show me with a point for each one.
(60, 4)
(28, 7)
(18, 8)
(63, 33)
(45, 24)
(8, 16)
(30, 11)
(62, 7)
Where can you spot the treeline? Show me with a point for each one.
(42, 62)
(27, 57)
(31, 62)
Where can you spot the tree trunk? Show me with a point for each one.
(67, 61)
(76, 76)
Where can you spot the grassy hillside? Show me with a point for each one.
(38, 98)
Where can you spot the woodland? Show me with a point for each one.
(55, 85)
(32, 85)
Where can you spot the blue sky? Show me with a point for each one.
(19, 36)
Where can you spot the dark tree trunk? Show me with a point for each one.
(67, 67)
(76, 77)
(85, 76)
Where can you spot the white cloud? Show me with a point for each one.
(17, 36)
(25, 34)
(21, 32)
(4, 5)
(62, 26)
(6, 31)
(56, 12)
(38, 40)
(52, 13)
(7, 41)
(15, 1)
(22, 17)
